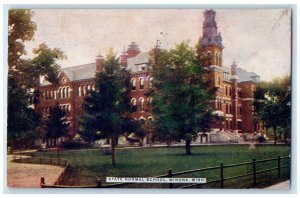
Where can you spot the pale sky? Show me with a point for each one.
(258, 39)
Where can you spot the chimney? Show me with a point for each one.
(233, 71)
(123, 59)
(99, 63)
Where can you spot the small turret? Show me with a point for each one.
(132, 50)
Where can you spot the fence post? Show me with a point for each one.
(42, 182)
(278, 163)
(254, 172)
(170, 175)
(222, 175)
(98, 182)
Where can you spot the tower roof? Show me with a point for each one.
(211, 36)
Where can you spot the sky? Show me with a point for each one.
(258, 39)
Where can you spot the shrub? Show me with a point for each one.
(75, 144)
(261, 139)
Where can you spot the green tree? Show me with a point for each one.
(23, 76)
(273, 104)
(56, 125)
(107, 109)
(180, 95)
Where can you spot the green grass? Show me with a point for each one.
(88, 165)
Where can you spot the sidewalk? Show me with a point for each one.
(22, 175)
(280, 186)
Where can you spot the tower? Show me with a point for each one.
(211, 40)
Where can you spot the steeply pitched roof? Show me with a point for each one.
(243, 75)
(141, 58)
(80, 72)
(75, 73)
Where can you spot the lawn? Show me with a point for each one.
(90, 164)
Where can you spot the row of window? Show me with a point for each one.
(141, 103)
(47, 110)
(216, 57)
(228, 107)
(141, 83)
(47, 95)
(84, 90)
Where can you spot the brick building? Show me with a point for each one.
(233, 98)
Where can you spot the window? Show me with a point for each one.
(67, 92)
(241, 110)
(60, 92)
(141, 81)
(226, 90)
(79, 91)
(150, 82)
(93, 87)
(219, 80)
(149, 101)
(84, 90)
(226, 108)
(133, 101)
(141, 103)
(133, 87)
(230, 108)
(230, 91)
(54, 93)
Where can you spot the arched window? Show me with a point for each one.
(226, 90)
(226, 108)
(133, 86)
(220, 104)
(79, 91)
(64, 92)
(230, 108)
(93, 87)
(54, 93)
(141, 104)
(89, 87)
(219, 80)
(84, 90)
(60, 93)
(67, 92)
(230, 91)
(133, 101)
(50, 94)
(141, 82)
(150, 82)
(149, 101)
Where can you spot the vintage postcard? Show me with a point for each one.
(149, 98)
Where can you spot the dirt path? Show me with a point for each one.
(28, 175)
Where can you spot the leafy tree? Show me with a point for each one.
(56, 125)
(273, 104)
(23, 76)
(180, 95)
(107, 109)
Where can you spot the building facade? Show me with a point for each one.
(232, 101)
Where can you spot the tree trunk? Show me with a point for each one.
(188, 147)
(113, 155)
(275, 137)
